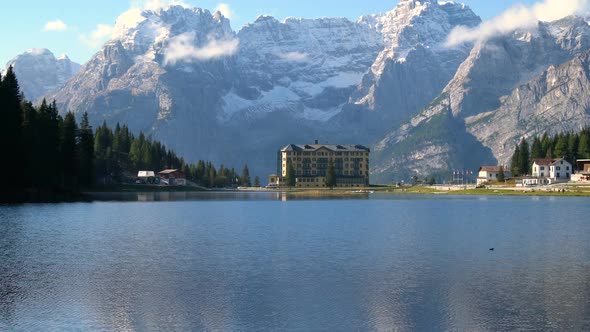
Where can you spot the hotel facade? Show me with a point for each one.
(311, 162)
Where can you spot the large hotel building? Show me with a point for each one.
(311, 162)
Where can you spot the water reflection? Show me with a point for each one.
(255, 263)
(223, 196)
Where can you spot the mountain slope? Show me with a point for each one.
(40, 72)
(556, 101)
(493, 70)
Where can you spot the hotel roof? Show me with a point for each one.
(330, 147)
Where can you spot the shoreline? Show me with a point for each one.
(568, 190)
(97, 194)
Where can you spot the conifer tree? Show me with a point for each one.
(69, 155)
(245, 179)
(515, 164)
(584, 146)
(331, 176)
(11, 136)
(256, 181)
(290, 176)
(537, 149)
(501, 175)
(561, 147)
(86, 153)
(524, 158)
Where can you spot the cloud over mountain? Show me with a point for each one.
(517, 17)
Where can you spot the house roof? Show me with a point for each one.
(548, 162)
(331, 147)
(146, 174)
(169, 171)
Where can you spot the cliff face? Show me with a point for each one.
(558, 100)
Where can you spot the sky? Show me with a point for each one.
(66, 26)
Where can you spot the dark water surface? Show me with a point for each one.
(264, 262)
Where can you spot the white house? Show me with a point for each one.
(490, 173)
(552, 170)
(144, 177)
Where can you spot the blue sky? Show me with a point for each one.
(24, 21)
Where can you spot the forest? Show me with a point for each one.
(570, 146)
(47, 154)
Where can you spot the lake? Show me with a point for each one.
(271, 262)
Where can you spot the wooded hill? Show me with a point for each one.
(46, 155)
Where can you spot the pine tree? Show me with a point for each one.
(515, 164)
(290, 178)
(537, 149)
(584, 146)
(501, 175)
(561, 147)
(86, 153)
(69, 153)
(331, 176)
(256, 181)
(11, 137)
(573, 143)
(524, 158)
(547, 144)
(245, 179)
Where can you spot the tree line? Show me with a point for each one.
(570, 146)
(45, 153)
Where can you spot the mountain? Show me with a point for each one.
(477, 100)
(273, 83)
(40, 72)
(413, 67)
(183, 76)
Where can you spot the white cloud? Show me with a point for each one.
(182, 49)
(129, 19)
(57, 25)
(225, 9)
(101, 34)
(517, 17)
(294, 56)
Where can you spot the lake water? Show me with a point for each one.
(268, 262)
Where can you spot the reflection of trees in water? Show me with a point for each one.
(13, 268)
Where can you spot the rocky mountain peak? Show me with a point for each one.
(40, 72)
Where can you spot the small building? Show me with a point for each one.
(172, 177)
(583, 173)
(274, 180)
(146, 177)
(491, 173)
(551, 171)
